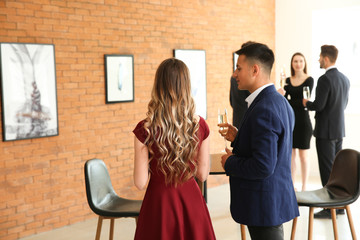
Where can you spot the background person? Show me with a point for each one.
(303, 128)
(237, 97)
(332, 93)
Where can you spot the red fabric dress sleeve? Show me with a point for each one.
(204, 129)
(140, 131)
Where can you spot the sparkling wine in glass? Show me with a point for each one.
(282, 77)
(306, 93)
(222, 118)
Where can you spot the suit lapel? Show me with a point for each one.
(248, 111)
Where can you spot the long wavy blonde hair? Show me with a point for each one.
(171, 124)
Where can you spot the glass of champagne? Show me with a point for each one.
(222, 118)
(282, 77)
(306, 93)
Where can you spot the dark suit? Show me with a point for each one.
(262, 192)
(332, 93)
(237, 102)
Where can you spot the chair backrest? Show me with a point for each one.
(344, 179)
(98, 183)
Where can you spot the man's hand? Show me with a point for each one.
(225, 157)
(228, 131)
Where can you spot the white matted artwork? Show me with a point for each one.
(119, 78)
(195, 60)
(235, 56)
(29, 100)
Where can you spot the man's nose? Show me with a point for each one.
(234, 74)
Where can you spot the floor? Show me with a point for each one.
(225, 228)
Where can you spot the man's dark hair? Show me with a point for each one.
(245, 44)
(329, 51)
(260, 53)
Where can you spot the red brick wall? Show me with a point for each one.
(41, 180)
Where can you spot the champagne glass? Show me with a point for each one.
(222, 118)
(306, 93)
(282, 77)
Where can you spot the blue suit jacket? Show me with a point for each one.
(262, 192)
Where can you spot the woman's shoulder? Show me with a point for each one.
(202, 125)
(200, 120)
(309, 80)
(140, 124)
(140, 131)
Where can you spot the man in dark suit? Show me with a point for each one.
(237, 102)
(262, 192)
(332, 92)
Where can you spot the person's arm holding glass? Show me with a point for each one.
(307, 94)
(222, 118)
(229, 132)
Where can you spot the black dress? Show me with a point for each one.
(303, 128)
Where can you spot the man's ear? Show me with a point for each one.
(255, 69)
(327, 59)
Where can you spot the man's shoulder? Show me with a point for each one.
(335, 73)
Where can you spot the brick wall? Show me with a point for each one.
(41, 180)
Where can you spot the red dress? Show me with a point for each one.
(169, 212)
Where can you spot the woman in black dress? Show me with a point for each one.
(303, 128)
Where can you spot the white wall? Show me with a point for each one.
(293, 33)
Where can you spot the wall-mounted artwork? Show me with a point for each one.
(119, 78)
(235, 57)
(195, 60)
(28, 83)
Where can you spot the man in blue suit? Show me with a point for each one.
(262, 192)
(332, 93)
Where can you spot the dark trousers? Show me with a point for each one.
(266, 233)
(326, 151)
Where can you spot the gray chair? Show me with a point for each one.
(102, 198)
(341, 190)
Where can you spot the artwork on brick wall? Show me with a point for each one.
(28, 83)
(195, 60)
(119, 78)
(235, 57)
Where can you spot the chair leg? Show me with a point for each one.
(243, 235)
(98, 230)
(348, 213)
(311, 220)
(111, 235)
(333, 217)
(293, 229)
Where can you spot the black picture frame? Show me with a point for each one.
(119, 78)
(195, 60)
(28, 84)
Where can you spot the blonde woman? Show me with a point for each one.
(171, 148)
(303, 128)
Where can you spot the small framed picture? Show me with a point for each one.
(119, 78)
(195, 60)
(28, 83)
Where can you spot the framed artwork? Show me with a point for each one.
(195, 60)
(28, 84)
(119, 78)
(235, 57)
